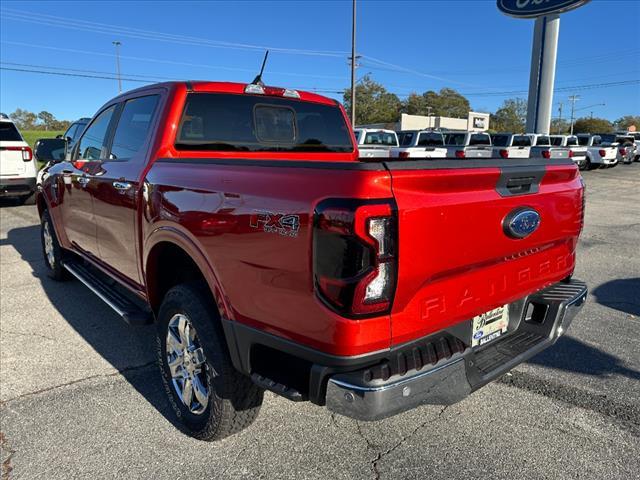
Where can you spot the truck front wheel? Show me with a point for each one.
(51, 249)
(211, 399)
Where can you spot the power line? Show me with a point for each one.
(110, 29)
(170, 62)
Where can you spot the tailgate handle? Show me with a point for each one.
(520, 184)
(520, 180)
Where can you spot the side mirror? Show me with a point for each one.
(50, 149)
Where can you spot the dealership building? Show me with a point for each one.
(475, 122)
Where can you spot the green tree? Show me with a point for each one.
(448, 103)
(415, 104)
(559, 126)
(592, 125)
(47, 120)
(24, 119)
(623, 123)
(374, 104)
(510, 117)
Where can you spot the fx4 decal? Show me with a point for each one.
(286, 225)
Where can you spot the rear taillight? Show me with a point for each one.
(546, 154)
(354, 255)
(504, 153)
(460, 154)
(570, 153)
(403, 155)
(27, 153)
(623, 151)
(602, 153)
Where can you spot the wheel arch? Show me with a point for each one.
(172, 257)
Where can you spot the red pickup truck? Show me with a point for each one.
(240, 220)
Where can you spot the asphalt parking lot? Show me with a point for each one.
(81, 396)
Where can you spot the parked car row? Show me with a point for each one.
(587, 150)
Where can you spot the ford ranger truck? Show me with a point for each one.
(240, 220)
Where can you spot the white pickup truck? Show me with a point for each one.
(420, 144)
(375, 143)
(541, 147)
(599, 154)
(625, 145)
(510, 145)
(577, 152)
(468, 145)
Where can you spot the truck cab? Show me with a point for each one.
(510, 145)
(541, 147)
(420, 144)
(468, 145)
(375, 143)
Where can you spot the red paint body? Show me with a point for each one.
(454, 260)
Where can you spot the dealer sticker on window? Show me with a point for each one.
(489, 325)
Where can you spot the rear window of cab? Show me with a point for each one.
(257, 123)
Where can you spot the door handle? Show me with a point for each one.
(83, 181)
(121, 186)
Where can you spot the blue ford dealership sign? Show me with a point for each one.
(537, 8)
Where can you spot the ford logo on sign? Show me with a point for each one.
(537, 8)
(521, 223)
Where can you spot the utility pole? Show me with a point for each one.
(573, 99)
(117, 45)
(560, 117)
(591, 115)
(353, 66)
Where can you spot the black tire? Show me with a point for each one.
(234, 400)
(588, 165)
(54, 266)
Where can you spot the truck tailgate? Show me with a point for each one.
(455, 258)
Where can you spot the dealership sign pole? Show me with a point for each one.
(544, 53)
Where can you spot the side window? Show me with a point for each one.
(71, 131)
(91, 146)
(133, 127)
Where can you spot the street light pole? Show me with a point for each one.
(573, 99)
(117, 45)
(353, 66)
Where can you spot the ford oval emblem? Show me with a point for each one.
(521, 222)
(478, 335)
(537, 8)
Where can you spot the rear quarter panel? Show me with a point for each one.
(264, 275)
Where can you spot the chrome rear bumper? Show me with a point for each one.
(535, 323)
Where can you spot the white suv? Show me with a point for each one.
(17, 165)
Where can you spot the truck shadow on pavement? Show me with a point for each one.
(622, 294)
(129, 350)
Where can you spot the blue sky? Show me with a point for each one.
(407, 46)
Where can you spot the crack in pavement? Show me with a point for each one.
(25, 334)
(626, 413)
(7, 468)
(80, 380)
(381, 455)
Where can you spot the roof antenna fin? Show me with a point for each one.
(258, 79)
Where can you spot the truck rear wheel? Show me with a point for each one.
(211, 399)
